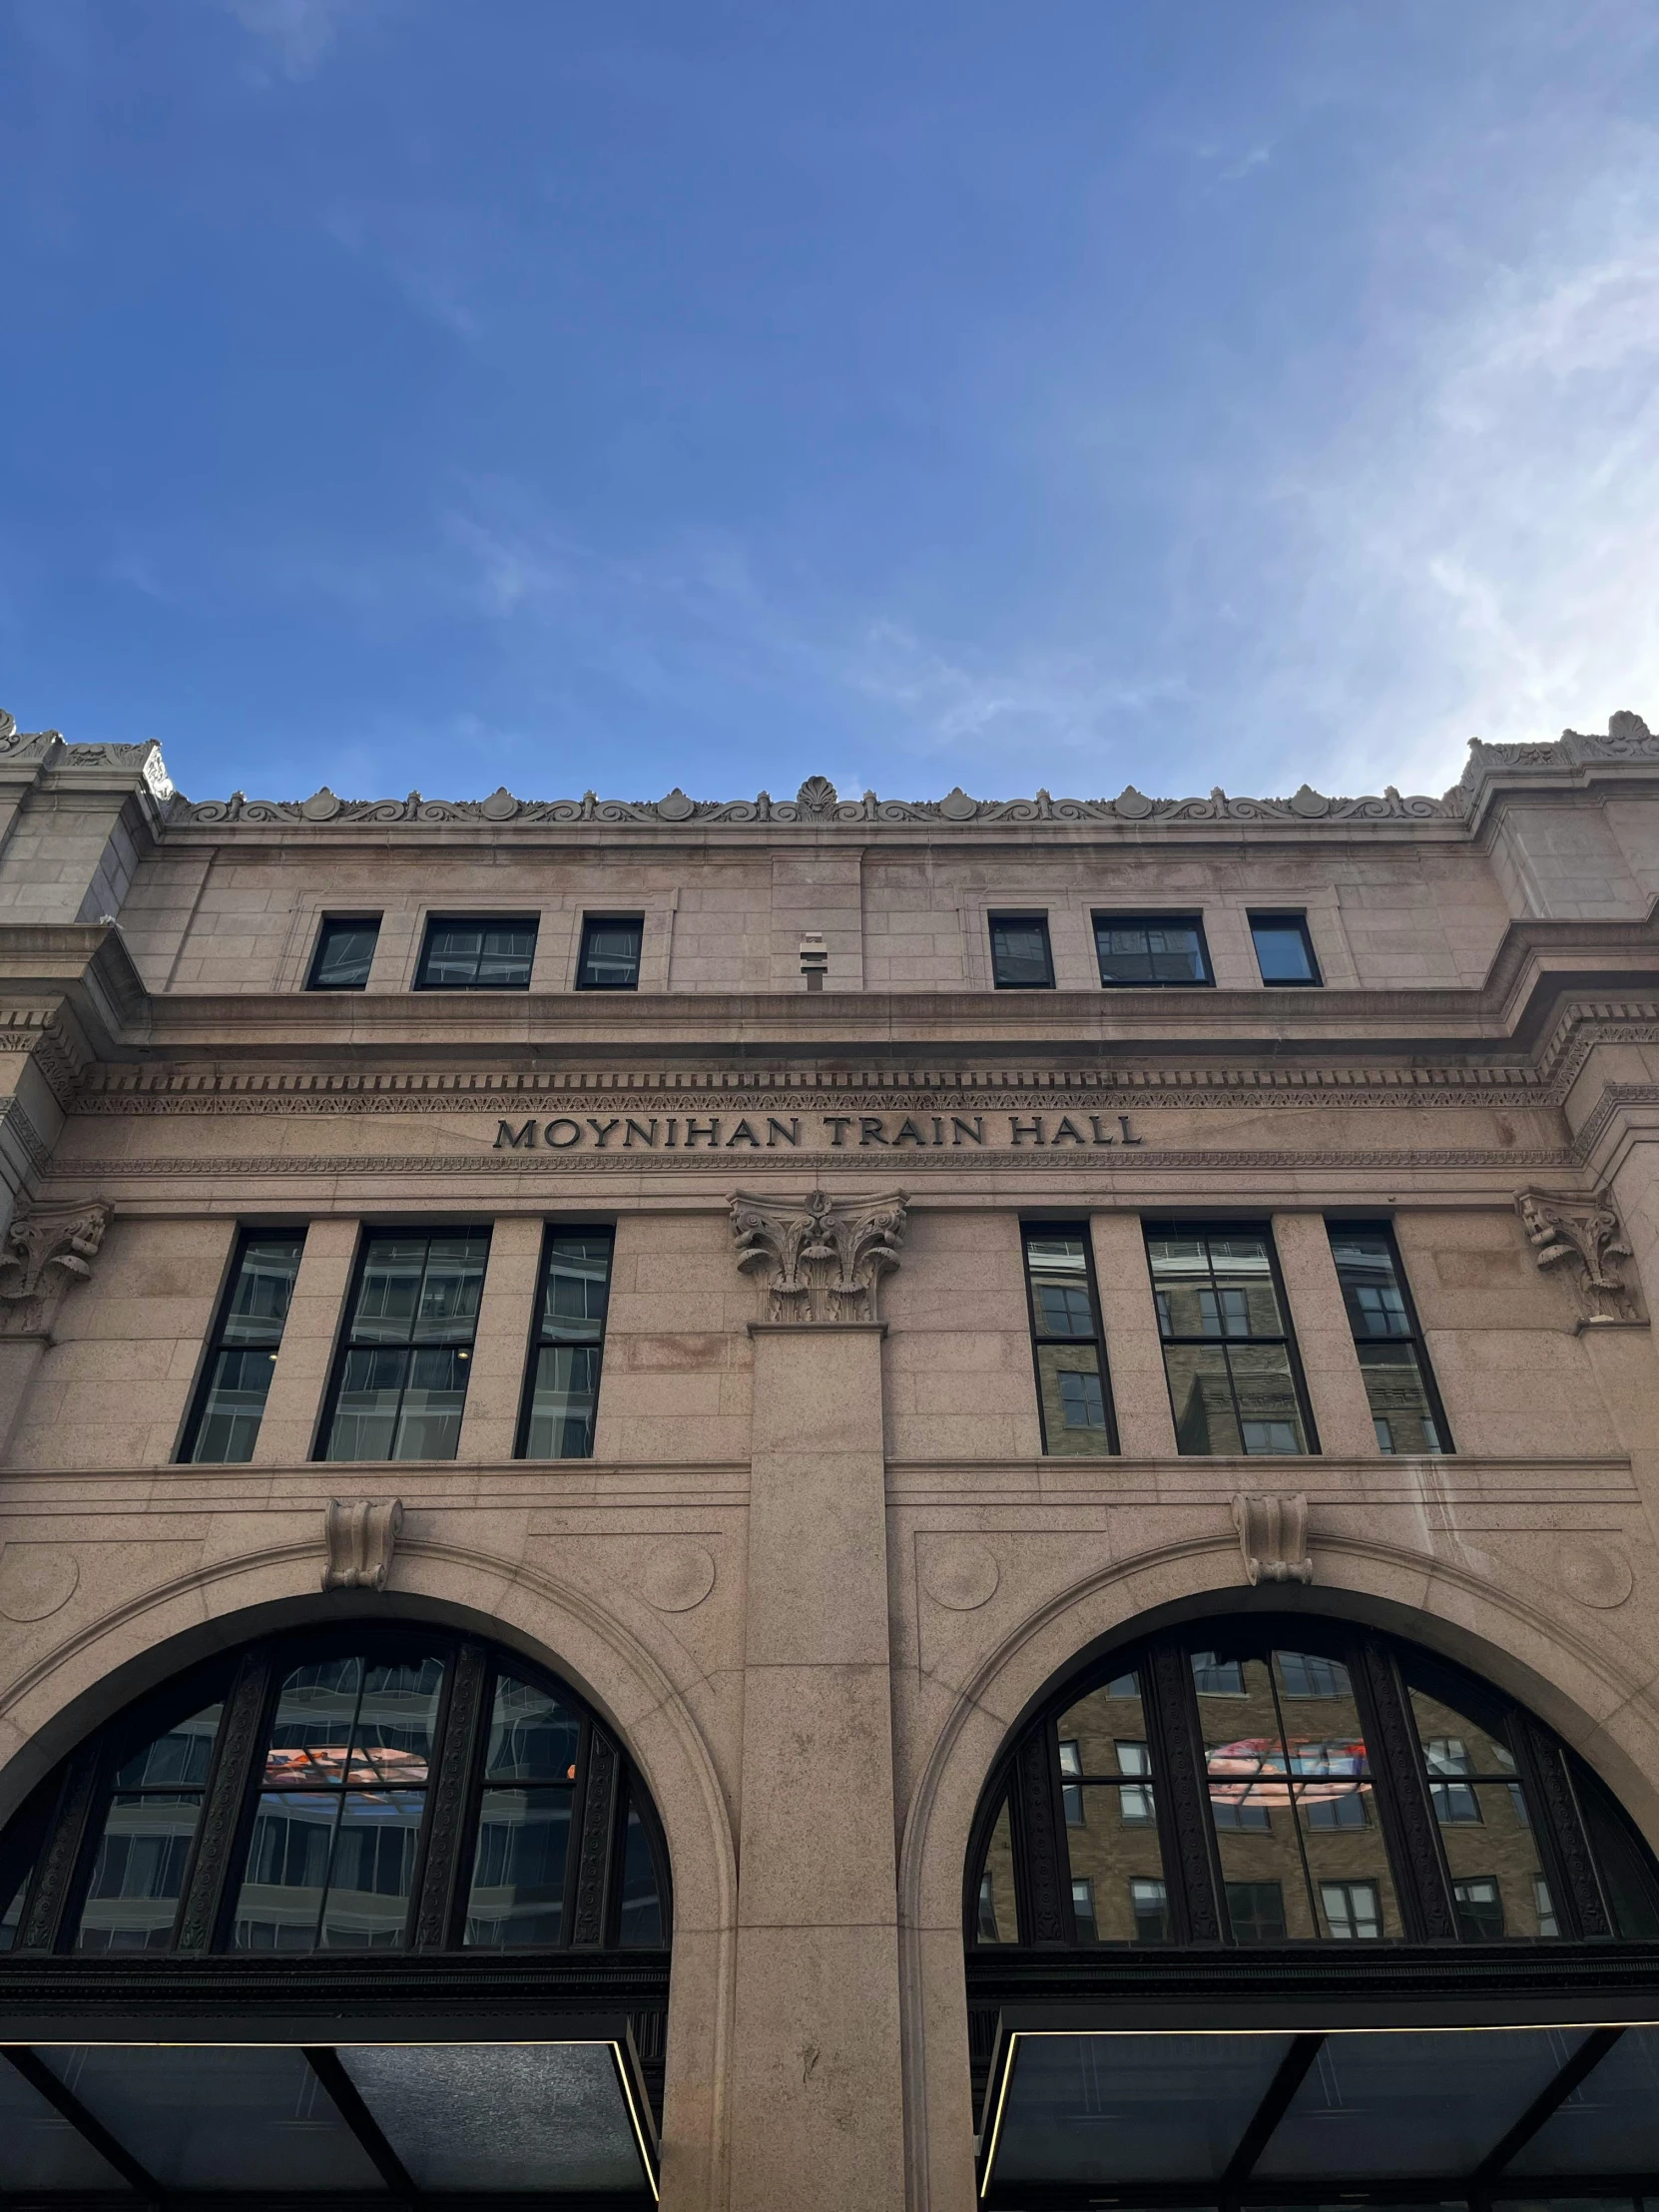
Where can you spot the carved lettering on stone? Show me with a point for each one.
(46, 1254)
(821, 1258)
(1582, 1242)
(361, 1535)
(1273, 1538)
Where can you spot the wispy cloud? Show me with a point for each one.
(293, 37)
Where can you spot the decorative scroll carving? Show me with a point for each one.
(824, 1258)
(47, 1253)
(1273, 1537)
(361, 1535)
(1583, 1239)
(48, 1893)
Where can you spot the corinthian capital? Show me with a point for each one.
(1582, 1242)
(46, 1254)
(821, 1259)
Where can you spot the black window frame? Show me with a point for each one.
(1029, 1227)
(437, 921)
(1175, 1227)
(591, 922)
(1028, 919)
(189, 1436)
(1285, 918)
(540, 1339)
(326, 926)
(1334, 1225)
(344, 1343)
(1139, 919)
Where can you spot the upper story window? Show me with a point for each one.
(561, 1396)
(345, 952)
(1399, 1382)
(470, 955)
(1020, 956)
(609, 956)
(1152, 949)
(1074, 1396)
(399, 1384)
(1235, 1382)
(1284, 949)
(285, 1801)
(229, 1398)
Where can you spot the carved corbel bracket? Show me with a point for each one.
(46, 1254)
(821, 1258)
(1273, 1538)
(1581, 1241)
(360, 1535)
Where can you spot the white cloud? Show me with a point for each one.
(294, 36)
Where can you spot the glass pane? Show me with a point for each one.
(1456, 1739)
(1119, 2108)
(1282, 952)
(611, 955)
(1269, 1419)
(1201, 1397)
(138, 1876)
(453, 952)
(1073, 1399)
(372, 1875)
(236, 2117)
(1019, 952)
(430, 1421)
(10, 1910)
(1412, 2103)
(1247, 1299)
(1496, 1880)
(389, 1292)
(262, 1290)
(547, 2117)
(392, 1740)
(640, 1922)
(1108, 1729)
(311, 1733)
(1610, 2122)
(533, 1736)
(1267, 1892)
(1112, 1847)
(366, 1411)
(1627, 1875)
(518, 1871)
(506, 956)
(1142, 952)
(344, 955)
(564, 1398)
(576, 1289)
(998, 1919)
(451, 1288)
(1059, 1271)
(287, 1873)
(41, 2150)
(1371, 1283)
(237, 1385)
(1399, 1404)
(178, 1758)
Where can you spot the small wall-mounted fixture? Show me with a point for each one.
(814, 960)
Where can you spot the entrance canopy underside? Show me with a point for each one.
(1476, 2118)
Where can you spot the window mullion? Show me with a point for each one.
(450, 1801)
(1560, 1832)
(1409, 1829)
(239, 1741)
(1041, 1860)
(1181, 1796)
(45, 1908)
(601, 1780)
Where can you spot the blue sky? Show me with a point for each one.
(403, 394)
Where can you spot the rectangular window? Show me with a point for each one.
(1352, 1911)
(400, 1378)
(1235, 1384)
(345, 952)
(1256, 1911)
(1082, 1911)
(610, 959)
(1284, 949)
(1135, 1806)
(1074, 1395)
(1149, 1909)
(230, 1401)
(561, 1395)
(1404, 1404)
(1151, 949)
(1480, 1910)
(1021, 958)
(462, 954)
(1071, 1797)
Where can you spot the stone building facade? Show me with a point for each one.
(863, 1325)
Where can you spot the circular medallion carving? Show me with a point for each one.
(500, 806)
(676, 1577)
(957, 807)
(35, 1580)
(1595, 1577)
(1310, 803)
(1132, 804)
(676, 806)
(322, 806)
(960, 1577)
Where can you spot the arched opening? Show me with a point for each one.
(286, 1921)
(1282, 1910)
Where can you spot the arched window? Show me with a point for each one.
(380, 1803)
(1355, 1858)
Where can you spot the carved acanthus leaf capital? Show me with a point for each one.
(1581, 1241)
(1273, 1538)
(46, 1254)
(821, 1258)
(359, 1535)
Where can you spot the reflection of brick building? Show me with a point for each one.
(746, 1471)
